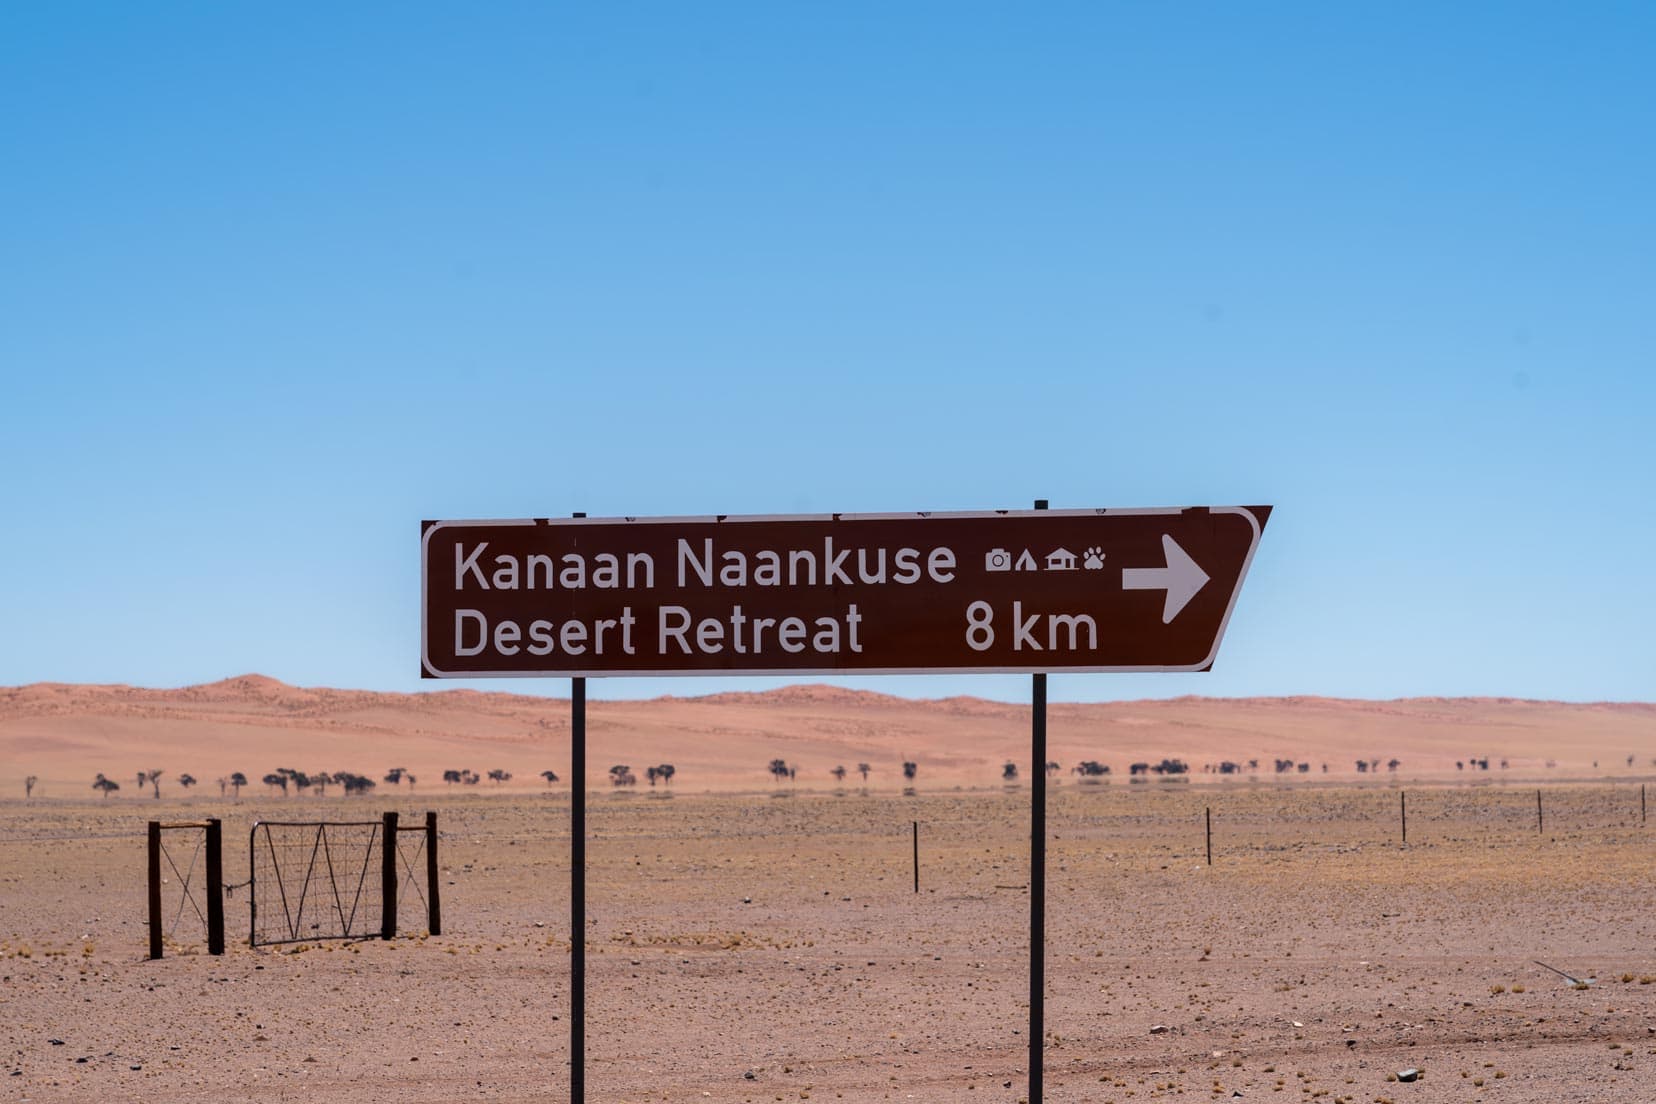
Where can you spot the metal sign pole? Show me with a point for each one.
(577, 893)
(577, 889)
(1037, 881)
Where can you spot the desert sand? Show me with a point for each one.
(765, 942)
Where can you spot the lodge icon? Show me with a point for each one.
(1060, 559)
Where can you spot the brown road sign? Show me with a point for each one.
(1012, 591)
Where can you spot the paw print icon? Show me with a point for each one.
(1093, 560)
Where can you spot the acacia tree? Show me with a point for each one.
(1009, 772)
(29, 785)
(107, 785)
(354, 783)
(863, 769)
(395, 775)
(838, 773)
(276, 778)
(186, 780)
(910, 770)
(451, 776)
(322, 779)
(1052, 768)
(622, 775)
(497, 776)
(667, 770)
(237, 781)
(778, 769)
(550, 776)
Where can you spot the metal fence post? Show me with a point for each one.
(155, 889)
(388, 879)
(215, 886)
(434, 921)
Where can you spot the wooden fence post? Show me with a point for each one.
(434, 921)
(388, 879)
(215, 886)
(155, 889)
(1207, 814)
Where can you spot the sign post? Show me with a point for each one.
(1003, 591)
(1037, 878)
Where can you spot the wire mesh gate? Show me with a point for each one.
(311, 880)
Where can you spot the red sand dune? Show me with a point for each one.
(64, 734)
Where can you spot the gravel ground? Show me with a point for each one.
(768, 947)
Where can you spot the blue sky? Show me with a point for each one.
(281, 282)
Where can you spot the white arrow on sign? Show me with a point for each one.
(1181, 578)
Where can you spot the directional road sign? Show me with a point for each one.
(1059, 590)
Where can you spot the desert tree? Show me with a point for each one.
(154, 781)
(1393, 764)
(451, 776)
(621, 775)
(354, 783)
(469, 777)
(1090, 768)
(550, 776)
(1052, 768)
(652, 774)
(778, 769)
(322, 780)
(395, 775)
(186, 780)
(910, 770)
(29, 785)
(667, 770)
(275, 779)
(497, 776)
(1009, 771)
(838, 773)
(237, 781)
(223, 784)
(863, 769)
(107, 785)
(301, 781)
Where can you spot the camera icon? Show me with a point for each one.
(998, 559)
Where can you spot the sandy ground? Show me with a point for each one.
(767, 948)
